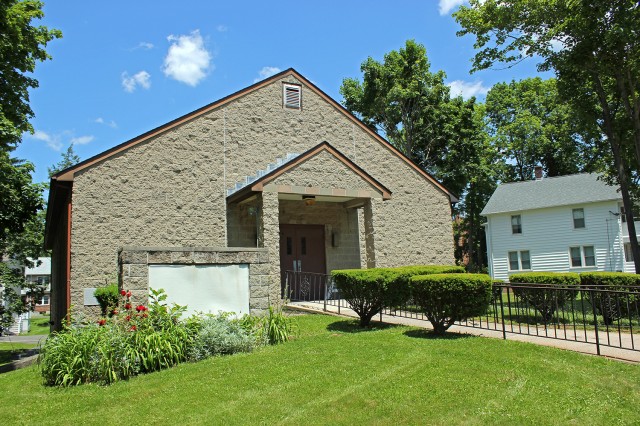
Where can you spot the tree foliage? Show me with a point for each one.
(22, 45)
(402, 99)
(12, 283)
(530, 125)
(594, 48)
(69, 158)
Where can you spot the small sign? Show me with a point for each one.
(89, 298)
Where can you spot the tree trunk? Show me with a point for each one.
(621, 171)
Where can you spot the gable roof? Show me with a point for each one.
(550, 192)
(259, 184)
(68, 174)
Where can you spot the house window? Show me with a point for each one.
(582, 256)
(292, 96)
(519, 260)
(45, 300)
(578, 218)
(628, 254)
(516, 224)
(636, 214)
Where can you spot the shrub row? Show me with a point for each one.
(606, 304)
(368, 291)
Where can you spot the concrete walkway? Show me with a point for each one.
(586, 348)
(36, 338)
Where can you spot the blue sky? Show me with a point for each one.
(125, 67)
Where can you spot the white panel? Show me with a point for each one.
(204, 288)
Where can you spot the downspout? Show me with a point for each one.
(68, 260)
(487, 234)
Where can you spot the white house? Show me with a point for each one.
(563, 224)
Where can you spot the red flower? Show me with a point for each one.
(145, 315)
(122, 292)
(133, 328)
(129, 294)
(102, 322)
(141, 308)
(127, 318)
(127, 305)
(114, 312)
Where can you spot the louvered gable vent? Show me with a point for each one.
(292, 96)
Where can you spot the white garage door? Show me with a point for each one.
(204, 288)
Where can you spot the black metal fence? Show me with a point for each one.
(596, 315)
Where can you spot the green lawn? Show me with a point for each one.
(333, 373)
(9, 350)
(39, 324)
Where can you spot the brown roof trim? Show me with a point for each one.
(259, 184)
(67, 174)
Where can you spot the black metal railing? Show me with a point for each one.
(596, 315)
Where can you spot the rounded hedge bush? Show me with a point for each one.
(368, 291)
(447, 298)
(546, 300)
(614, 295)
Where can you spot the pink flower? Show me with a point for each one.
(129, 294)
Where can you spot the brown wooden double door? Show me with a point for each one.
(302, 250)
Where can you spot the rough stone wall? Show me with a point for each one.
(325, 171)
(336, 219)
(242, 228)
(271, 239)
(134, 266)
(414, 227)
(170, 190)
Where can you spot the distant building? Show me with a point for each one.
(563, 224)
(41, 275)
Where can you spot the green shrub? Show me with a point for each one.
(611, 305)
(368, 291)
(276, 326)
(220, 335)
(546, 301)
(136, 340)
(108, 298)
(446, 298)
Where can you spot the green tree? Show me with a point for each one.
(402, 99)
(532, 126)
(22, 45)
(412, 107)
(12, 283)
(69, 158)
(594, 48)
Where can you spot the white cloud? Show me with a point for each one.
(266, 72)
(101, 120)
(141, 78)
(222, 28)
(187, 61)
(82, 140)
(52, 141)
(446, 6)
(145, 45)
(467, 89)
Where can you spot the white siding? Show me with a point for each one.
(548, 233)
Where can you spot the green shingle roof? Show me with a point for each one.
(550, 192)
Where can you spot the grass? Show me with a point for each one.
(335, 373)
(39, 325)
(9, 350)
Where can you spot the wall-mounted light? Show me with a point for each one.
(309, 200)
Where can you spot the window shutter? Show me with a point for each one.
(292, 96)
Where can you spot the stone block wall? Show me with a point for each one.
(133, 265)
